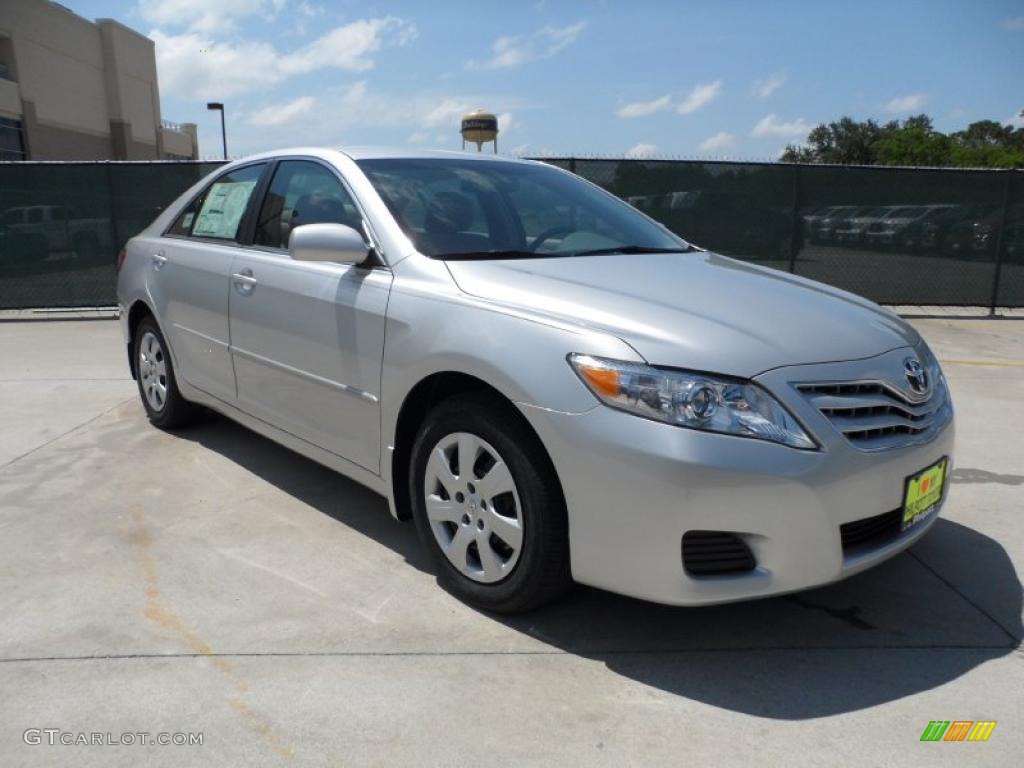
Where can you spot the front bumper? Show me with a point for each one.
(634, 486)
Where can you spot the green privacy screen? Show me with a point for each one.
(62, 224)
(898, 236)
(894, 235)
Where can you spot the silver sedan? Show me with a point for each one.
(551, 385)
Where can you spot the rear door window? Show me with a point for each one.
(217, 212)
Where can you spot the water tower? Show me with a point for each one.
(479, 127)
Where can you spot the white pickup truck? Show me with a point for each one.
(33, 232)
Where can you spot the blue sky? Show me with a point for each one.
(721, 79)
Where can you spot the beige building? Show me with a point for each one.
(71, 89)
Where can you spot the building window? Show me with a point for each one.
(6, 58)
(12, 146)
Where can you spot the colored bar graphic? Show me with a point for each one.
(958, 730)
(982, 730)
(934, 730)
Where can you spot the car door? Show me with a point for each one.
(189, 279)
(307, 338)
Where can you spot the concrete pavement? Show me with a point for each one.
(210, 581)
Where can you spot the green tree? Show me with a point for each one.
(989, 133)
(987, 144)
(844, 141)
(914, 142)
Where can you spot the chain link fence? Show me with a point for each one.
(894, 235)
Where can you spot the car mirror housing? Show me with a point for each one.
(337, 243)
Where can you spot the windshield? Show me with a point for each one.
(452, 208)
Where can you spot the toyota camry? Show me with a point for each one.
(551, 385)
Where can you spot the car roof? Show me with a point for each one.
(380, 153)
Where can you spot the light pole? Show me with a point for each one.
(219, 107)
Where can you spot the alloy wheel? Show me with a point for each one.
(153, 371)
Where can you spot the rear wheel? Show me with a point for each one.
(158, 388)
(488, 506)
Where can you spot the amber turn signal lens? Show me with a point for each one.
(603, 380)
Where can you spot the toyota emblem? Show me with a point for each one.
(916, 375)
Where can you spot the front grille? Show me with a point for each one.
(873, 415)
(871, 532)
(715, 553)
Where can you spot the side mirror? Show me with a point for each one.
(337, 243)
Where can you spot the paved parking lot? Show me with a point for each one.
(210, 581)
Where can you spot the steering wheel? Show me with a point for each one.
(547, 234)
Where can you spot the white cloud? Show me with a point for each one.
(281, 114)
(204, 16)
(1016, 120)
(1015, 24)
(770, 125)
(700, 96)
(511, 51)
(769, 85)
(641, 150)
(236, 67)
(347, 47)
(302, 16)
(907, 103)
(643, 108)
(355, 93)
(559, 38)
(423, 112)
(448, 111)
(357, 112)
(233, 68)
(718, 143)
(379, 108)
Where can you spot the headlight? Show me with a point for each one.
(694, 400)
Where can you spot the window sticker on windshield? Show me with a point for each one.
(222, 209)
(188, 220)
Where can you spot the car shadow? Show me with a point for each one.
(949, 604)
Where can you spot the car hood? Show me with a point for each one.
(693, 310)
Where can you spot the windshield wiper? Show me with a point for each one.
(630, 249)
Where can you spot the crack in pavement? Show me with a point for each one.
(851, 615)
(968, 475)
(52, 440)
(1013, 638)
(588, 653)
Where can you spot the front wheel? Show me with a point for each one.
(488, 506)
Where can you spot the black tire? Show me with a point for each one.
(175, 410)
(541, 572)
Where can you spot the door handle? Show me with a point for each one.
(244, 282)
(158, 260)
